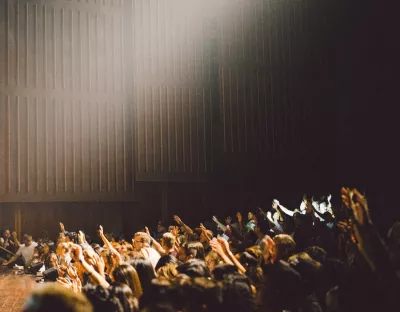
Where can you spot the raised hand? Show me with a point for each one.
(224, 244)
(76, 252)
(101, 232)
(216, 246)
(178, 220)
(147, 230)
(175, 231)
(62, 227)
(81, 237)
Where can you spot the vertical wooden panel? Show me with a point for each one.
(63, 100)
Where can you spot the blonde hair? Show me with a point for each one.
(168, 271)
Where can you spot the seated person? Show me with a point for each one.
(25, 251)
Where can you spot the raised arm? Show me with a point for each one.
(185, 228)
(97, 278)
(156, 245)
(107, 243)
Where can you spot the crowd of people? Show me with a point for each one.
(314, 258)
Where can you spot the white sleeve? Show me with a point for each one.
(286, 211)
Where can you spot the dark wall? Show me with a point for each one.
(191, 107)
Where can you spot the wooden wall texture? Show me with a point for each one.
(99, 95)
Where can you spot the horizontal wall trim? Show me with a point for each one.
(68, 197)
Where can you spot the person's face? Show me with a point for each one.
(250, 215)
(27, 241)
(6, 234)
(309, 207)
(138, 243)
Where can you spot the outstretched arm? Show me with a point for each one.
(108, 244)
(185, 228)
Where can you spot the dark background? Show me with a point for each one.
(124, 113)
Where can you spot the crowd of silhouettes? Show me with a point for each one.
(316, 257)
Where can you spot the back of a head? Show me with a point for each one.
(169, 240)
(145, 271)
(53, 297)
(285, 246)
(102, 299)
(194, 268)
(280, 288)
(125, 296)
(195, 250)
(127, 274)
(165, 260)
(223, 269)
(237, 293)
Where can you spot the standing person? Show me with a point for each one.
(141, 243)
(25, 251)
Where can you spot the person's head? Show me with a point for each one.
(125, 296)
(165, 260)
(193, 250)
(168, 241)
(237, 293)
(45, 249)
(212, 260)
(53, 297)
(6, 234)
(27, 239)
(62, 249)
(102, 299)
(168, 271)
(250, 215)
(257, 253)
(140, 240)
(145, 271)
(308, 206)
(261, 229)
(284, 246)
(317, 253)
(281, 284)
(194, 268)
(204, 295)
(203, 236)
(223, 269)
(126, 274)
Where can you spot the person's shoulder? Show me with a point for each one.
(34, 244)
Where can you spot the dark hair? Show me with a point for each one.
(195, 249)
(262, 225)
(164, 260)
(237, 293)
(145, 271)
(281, 287)
(317, 253)
(223, 269)
(194, 268)
(102, 299)
(124, 295)
(127, 274)
(204, 295)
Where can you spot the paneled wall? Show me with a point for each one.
(196, 101)
(175, 86)
(65, 122)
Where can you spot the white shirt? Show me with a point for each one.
(152, 255)
(26, 252)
